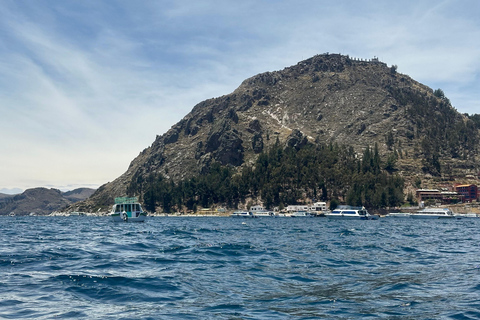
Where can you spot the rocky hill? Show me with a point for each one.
(78, 194)
(42, 201)
(328, 98)
(4, 197)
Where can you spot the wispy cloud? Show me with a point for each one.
(82, 80)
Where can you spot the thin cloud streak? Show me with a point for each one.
(81, 81)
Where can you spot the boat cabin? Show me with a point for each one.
(257, 209)
(319, 206)
(128, 208)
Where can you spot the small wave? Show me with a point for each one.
(9, 303)
(302, 279)
(409, 249)
(473, 315)
(228, 306)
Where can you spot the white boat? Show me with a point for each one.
(399, 215)
(318, 209)
(465, 215)
(76, 213)
(263, 214)
(348, 212)
(127, 210)
(242, 214)
(433, 213)
(301, 214)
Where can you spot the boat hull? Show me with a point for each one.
(339, 216)
(264, 214)
(301, 214)
(242, 215)
(119, 218)
(399, 215)
(348, 212)
(430, 216)
(466, 215)
(350, 217)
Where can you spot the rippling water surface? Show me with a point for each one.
(225, 268)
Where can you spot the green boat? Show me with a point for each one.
(127, 209)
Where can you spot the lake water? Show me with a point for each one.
(226, 268)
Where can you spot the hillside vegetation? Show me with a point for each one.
(281, 176)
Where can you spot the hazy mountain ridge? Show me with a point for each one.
(5, 197)
(328, 98)
(41, 201)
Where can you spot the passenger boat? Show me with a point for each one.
(399, 215)
(348, 212)
(301, 214)
(318, 209)
(433, 213)
(242, 214)
(465, 215)
(263, 214)
(259, 211)
(127, 210)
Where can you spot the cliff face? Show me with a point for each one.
(326, 99)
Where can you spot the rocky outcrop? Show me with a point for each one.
(296, 140)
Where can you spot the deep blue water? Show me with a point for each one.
(226, 268)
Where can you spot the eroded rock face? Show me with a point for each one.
(230, 150)
(257, 143)
(254, 126)
(171, 136)
(296, 140)
(328, 98)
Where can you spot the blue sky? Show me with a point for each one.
(87, 85)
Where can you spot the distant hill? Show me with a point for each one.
(327, 99)
(4, 197)
(78, 194)
(41, 201)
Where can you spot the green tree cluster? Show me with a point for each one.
(373, 187)
(280, 176)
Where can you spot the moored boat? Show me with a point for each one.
(399, 215)
(318, 209)
(264, 214)
(465, 215)
(348, 212)
(242, 214)
(433, 213)
(301, 214)
(127, 210)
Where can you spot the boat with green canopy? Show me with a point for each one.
(127, 209)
